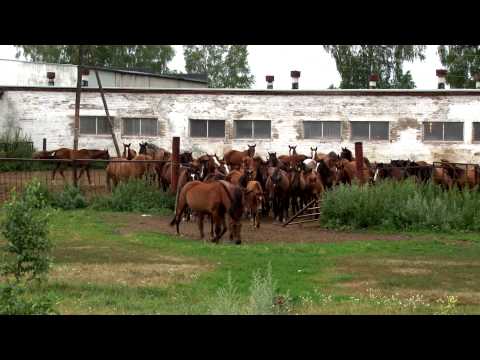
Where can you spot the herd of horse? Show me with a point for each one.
(242, 183)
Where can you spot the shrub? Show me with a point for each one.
(70, 198)
(135, 196)
(401, 206)
(26, 231)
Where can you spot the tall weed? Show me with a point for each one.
(401, 206)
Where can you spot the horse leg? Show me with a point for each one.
(200, 224)
(88, 175)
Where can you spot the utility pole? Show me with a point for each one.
(76, 130)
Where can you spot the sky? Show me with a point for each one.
(318, 70)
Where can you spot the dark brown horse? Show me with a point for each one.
(278, 190)
(216, 199)
(234, 158)
(65, 153)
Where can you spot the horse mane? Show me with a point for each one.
(152, 146)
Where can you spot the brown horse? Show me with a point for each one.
(240, 177)
(65, 153)
(234, 158)
(254, 201)
(217, 199)
(278, 190)
(464, 176)
(128, 154)
(118, 170)
(347, 172)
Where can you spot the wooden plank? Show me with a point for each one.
(110, 122)
(302, 221)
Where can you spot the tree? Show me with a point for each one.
(356, 62)
(226, 66)
(148, 57)
(462, 63)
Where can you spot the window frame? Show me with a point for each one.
(252, 135)
(369, 130)
(473, 132)
(323, 136)
(140, 134)
(208, 129)
(96, 117)
(443, 132)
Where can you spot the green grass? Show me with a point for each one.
(320, 278)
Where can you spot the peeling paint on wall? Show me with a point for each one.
(50, 115)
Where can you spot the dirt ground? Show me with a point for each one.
(267, 233)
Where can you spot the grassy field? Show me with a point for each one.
(105, 263)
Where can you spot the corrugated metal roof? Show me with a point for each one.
(186, 77)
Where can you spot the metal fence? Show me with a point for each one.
(16, 173)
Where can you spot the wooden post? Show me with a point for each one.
(175, 162)
(117, 149)
(359, 161)
(76, 129)
(44, 144)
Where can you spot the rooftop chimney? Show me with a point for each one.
(372, 81)
(476, 77)
(269, 79)
(295, 76)
(51, 78)
(442, 78)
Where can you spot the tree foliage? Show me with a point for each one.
(226, 66)
(462, 63)
(149, 57)
(356, 62)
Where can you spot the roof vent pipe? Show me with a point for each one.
(372, 81)
(51, 78)
(295, 76)
(269, 79)
(442, 78)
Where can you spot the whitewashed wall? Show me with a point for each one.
(50, 114)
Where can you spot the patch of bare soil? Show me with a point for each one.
(129, 274)
(268, 231)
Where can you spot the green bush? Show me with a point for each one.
(26, 230)
(401, 206)
(135, 196)
(70, 198)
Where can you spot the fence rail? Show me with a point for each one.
(15, 173)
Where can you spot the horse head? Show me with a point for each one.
(346, 154)
(143, 148)
(251, 150)
(313, 152)
(292, 150)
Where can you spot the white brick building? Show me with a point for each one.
(393, 124)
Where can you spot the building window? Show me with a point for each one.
(252, 129)
(94, 125)
(443, 131)
(369, 130)
(476, 131)
(207, 128)
(140, 127)
(321, 129)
